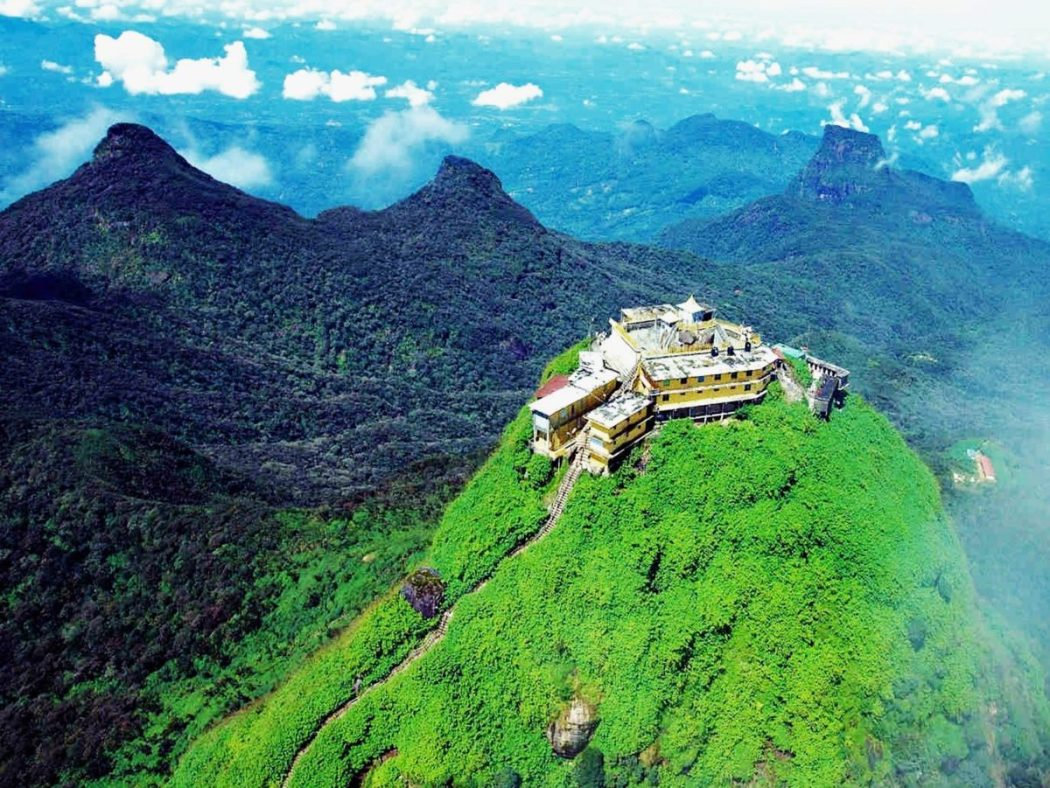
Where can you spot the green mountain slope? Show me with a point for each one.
(943, 316)
(773, 599)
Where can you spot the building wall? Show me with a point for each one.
(599, 458)
(567, 422)
(706, 382)
(676, 395)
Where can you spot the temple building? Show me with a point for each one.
(656, 363)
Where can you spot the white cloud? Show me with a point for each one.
(505, 95)
(864, 93)
(140, 64)
(928, 132)
(412, 93)
(55, 154)
(4, 70)
(818, 73)
(707, 54)
(556, 38)
(1022, 179)
(325, 24)
(879, 107)
(307, 84)
(235, 165)
(991, 166)
(58, 68)
(107, 12)
(634, 46)
(838, 118)
(934, 94)
(913, 125)
(1031, 123)
(757, 70)
(392, 140)
(794, 86)
(989, 109)
(19, 8)
(257, 33)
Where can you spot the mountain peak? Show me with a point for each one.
(464, 186)
(843, 145)
(457, 172)
(132, 139)
(846, 164)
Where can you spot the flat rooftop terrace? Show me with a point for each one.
(693, 365)
(612, 413)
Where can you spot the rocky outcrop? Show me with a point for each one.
(573, 728)
(424, 591)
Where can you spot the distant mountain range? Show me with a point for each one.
(632, 184)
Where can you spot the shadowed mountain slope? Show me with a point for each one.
(319, 355)
(180, 362)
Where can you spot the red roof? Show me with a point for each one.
(552, 385)
(986, 467)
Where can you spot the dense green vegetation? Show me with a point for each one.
(132, 626)
(148, 586)
(256, 746)
(940, 314)
(317, 359)
(751, 601)
(500, 507)
(801, 370)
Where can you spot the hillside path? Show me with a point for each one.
(792, 390)
(437, 634)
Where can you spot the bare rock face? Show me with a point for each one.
(572, 730)
(424, 591)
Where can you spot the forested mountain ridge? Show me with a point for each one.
(165, 334)
(276, 343)
(941, 313)
(154, 318)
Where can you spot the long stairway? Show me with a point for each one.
(437, 634)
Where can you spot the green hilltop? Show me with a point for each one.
(773, 599)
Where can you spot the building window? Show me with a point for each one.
(747, 387)
(683, 381)
(718, 376)
(700, 379)
(667, 397)
(734, 375)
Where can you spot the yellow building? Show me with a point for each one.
(614, 427)
(707, 385)
(558, 417)
(666, 361)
